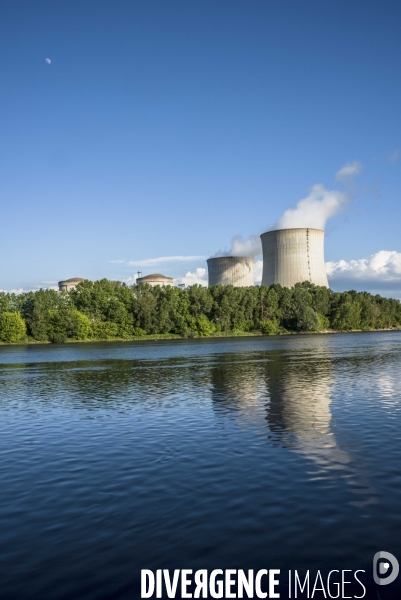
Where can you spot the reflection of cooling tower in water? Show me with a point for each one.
(300, 399)
(299, 392)
(300, 412)
(292, 392)
(306, 402)
(237, 387)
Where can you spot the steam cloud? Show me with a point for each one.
(315, 209)
(240, 247)
(312, 211)
(321, 204)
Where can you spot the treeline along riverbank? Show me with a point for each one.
(105, 309)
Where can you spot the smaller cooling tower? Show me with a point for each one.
(292, 256)
(231, 270)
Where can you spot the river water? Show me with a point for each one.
(242, 453)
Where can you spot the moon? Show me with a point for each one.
(48, 61)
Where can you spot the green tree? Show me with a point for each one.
(347, 315)
(200, 300)
(144, 308)
(56, 326)
(108, 309)
(12, 327)
(307, 319)
(321, 299)
(81, 326)
(104, 330)
(5, 302)
(204, 327)
(40, 310)
(269, 326)
(324, 322)
(272, 308)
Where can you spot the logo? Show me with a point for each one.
(385, 563)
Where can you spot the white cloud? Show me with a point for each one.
(382, 270)
(394, 156)
(116, 262)
(198, 276)
(348, 171)
(150, 262)
(48, 61)
(131, 280)
(44, 285)
(15, 291)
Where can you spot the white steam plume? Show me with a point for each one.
(240, 247)
(312, 211)
(348, 171)
(315, 209)
(321, 204)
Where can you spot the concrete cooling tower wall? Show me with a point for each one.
(231, 270)
(291, 256)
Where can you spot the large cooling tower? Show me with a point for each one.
(293, 255)
(230, 270)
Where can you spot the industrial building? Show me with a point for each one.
(155, 279)
(231, 270)
(69, 284)
(292, 256)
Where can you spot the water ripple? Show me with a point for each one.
(187, 454)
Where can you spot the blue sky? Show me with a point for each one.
(166, 127)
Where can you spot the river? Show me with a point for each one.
(242, 453)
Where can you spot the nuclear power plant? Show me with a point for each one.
(231, 270)
(292, 256)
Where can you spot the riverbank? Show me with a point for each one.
(172, 336)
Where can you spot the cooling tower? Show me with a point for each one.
(231, 270)
(291, 256)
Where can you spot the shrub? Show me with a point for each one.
(347, 315)
(82, 327)
(243, 325)
(57, 326)
(324, 322)
(204, 327)
(269, 327)
(104, 330)
(307, 319)
(137, 331)
(12, 327)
